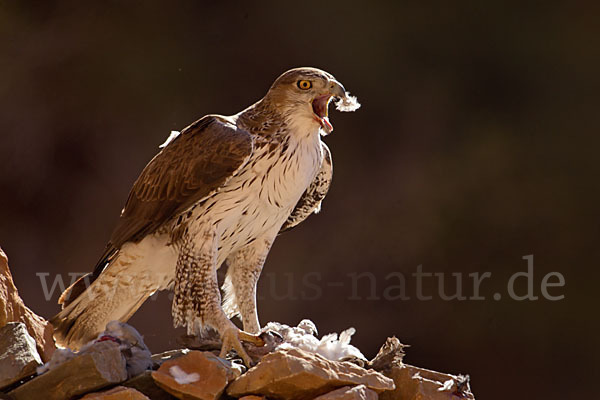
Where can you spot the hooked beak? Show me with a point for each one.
(337, 89)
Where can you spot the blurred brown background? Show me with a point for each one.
(476, 145)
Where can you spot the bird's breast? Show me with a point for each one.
(285, 171)
(259, 199)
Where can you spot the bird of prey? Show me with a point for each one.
(217, 193)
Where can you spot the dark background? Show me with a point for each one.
(476, 145)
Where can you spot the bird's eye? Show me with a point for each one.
(304, 85)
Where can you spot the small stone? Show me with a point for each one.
(360, 392)
(102, 364)
(116, 393)
(252, 397)
(158, 359)
(18, 354)
(145, 384)
(12, 309)
(195, 375)
(414, 383)
(296, 374)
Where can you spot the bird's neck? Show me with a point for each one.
(268, 120)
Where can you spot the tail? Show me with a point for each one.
(114, 292)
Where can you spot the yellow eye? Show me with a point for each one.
(304, 85)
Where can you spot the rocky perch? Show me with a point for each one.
(294, 365)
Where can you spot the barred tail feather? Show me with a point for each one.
(116, 294)
(108, 298)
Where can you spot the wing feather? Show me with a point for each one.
(193, 166)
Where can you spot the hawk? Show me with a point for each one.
(217, 193)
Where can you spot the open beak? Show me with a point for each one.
(320, 104)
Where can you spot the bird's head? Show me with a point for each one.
(305, 93)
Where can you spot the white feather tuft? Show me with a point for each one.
(447, 386)
(182, 377)
(59, 356)
(347, 103)
(329, 346)
(171, 137)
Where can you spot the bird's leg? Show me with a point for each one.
(197, 301)
(244, 268)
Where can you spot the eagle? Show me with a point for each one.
(217, 193)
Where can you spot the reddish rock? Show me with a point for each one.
(195, 375)
(252, 397)
(360, 392)
(98, 366)
(414, 383)
(117, 393)
(12, 309)
(296, 374)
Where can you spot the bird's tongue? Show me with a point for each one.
(326, 125)
(319, 105)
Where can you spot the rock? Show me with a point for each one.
(196, 375)
(390, 355)
(296, 374)
(160, 358)
(18, 354)
(252, 397)
(208, 340)
(116, 393)
(102, 364)
(414, 383)
(12, 309)
(145, 384)
(360, 392)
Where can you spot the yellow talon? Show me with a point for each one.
(232, 338)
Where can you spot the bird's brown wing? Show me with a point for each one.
(310, 202)
(194, 165)
(191, 167)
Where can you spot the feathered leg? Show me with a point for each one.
(244, 268)
(197, 301)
